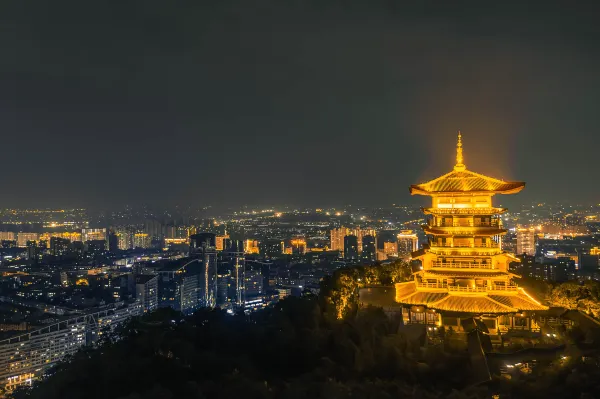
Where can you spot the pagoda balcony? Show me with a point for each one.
(492, 246)
(464, 211)
(462, 265)
(460, 288)
(469, 223)
(431, 285)
(463, 231)
(462, 251)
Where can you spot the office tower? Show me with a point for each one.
(233, 255)
(464, 268)
(526, 241)
(408, 243)
(253, 284)
(224, 282)
(22, 238)
(369, 249)
(146, 291)
(203, 247)
(231, 270)
(351, 248)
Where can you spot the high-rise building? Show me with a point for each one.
(464, 268)
(231, 272)
(360, 233)
(220, 241)
(271, 248)
(203, 246)
(234, 255)
(224, 292)
(59, 246)
(390, 248)
(251, 247)
(526, 241)
(142, 240)
(7, 236)
(33, 251)
(369, 249)
(298, 246)
(351, 247)
(253, 284)
(408, 242)
(153, 229)
(68, 235)
(124, 238)
(93, 234)
(146, 291)
(179, 285)
(337, 237)
(23, 238)
(95, 247)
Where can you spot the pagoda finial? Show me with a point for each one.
(459, 154)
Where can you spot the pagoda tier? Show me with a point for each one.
(464, 268)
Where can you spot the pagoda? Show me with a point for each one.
(465, 272)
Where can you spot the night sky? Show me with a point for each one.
(104, 103)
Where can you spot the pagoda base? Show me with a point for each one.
(492, 324)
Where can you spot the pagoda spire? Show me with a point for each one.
(460, 166)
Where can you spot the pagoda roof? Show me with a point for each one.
(423, 297)
(473, 304)
(522, 301)
(409, 294)
(465, 181)
(460, 180)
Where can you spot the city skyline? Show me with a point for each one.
(349, 103)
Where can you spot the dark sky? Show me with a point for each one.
(300, 102)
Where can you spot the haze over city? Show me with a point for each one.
(348, 102)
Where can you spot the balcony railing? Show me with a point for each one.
(460, 288)
(432, 285)
(462, 265)
(465, 246)
(493, 223)
(465, 211)
(453, 252)
(483, 289)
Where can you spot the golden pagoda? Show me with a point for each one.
(464, 269)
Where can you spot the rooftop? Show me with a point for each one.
(461, 180)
